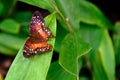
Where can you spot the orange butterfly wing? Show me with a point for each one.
(39, 34)
(34, 46)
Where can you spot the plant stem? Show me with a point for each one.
(65, 19)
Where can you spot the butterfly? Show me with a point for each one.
(39, 34)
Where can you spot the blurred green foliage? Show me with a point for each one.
(82, 40)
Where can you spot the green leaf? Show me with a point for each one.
(10, 26)
(8, 7)
(107, 56)
(1, 7)
(98, 71)
(39, 3)
(90, 14)
(71, 11)
(61, 32)
(102, 54)
(34, 68)
(84, 78)
(23, 17)
(116, 41)
(56, 72)
(93, 35)
(6, 50)
(72, 48)
(11, 41)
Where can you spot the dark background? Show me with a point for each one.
(110, 8)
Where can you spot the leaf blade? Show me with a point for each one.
(10, 26)
(39, 3)
(72, 49)
(35, 68)
(106, 48)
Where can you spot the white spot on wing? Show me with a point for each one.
(40, 30)
(37, 16)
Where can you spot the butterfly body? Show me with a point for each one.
(39, 34)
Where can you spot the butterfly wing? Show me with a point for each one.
(34, 46)
(37, 27)
(39, 34)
